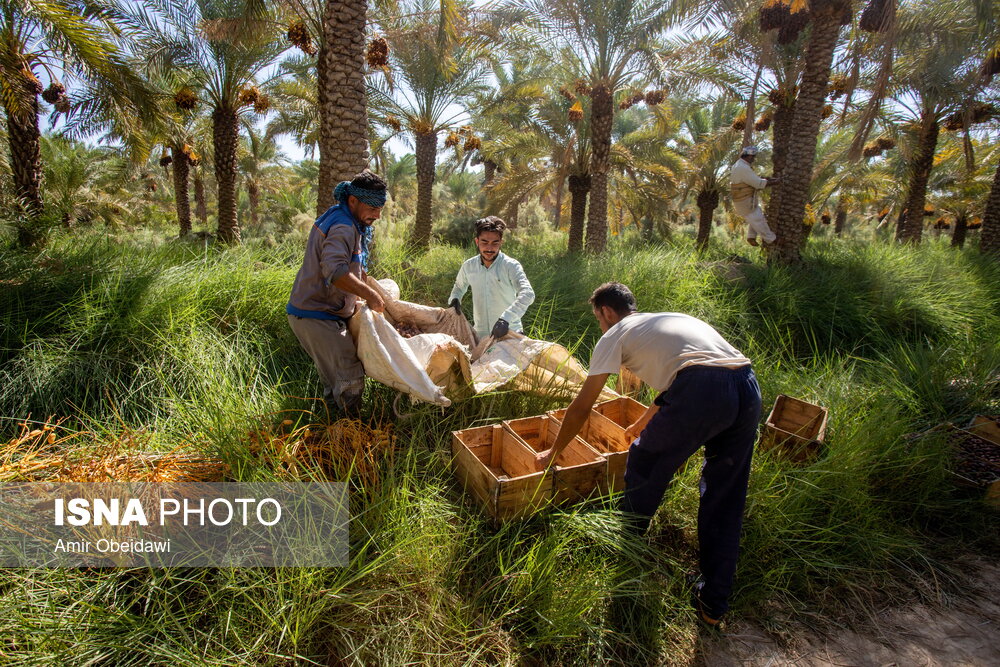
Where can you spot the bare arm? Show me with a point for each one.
(576, 415)
(633, 431)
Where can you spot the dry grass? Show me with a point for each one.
(344, 450)
(51, 453)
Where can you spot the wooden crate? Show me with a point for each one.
(623, 411)
(498, 469)
(578, 471)
(608, 439)
(796, 427)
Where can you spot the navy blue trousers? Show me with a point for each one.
(720, 409)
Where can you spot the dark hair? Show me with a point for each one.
(490, 223)
(369, 180)
(615, 296)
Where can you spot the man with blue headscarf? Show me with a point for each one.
(328, 285)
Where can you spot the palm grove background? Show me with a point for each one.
(599, 119)
(151, 229)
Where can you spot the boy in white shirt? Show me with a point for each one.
(501, 292)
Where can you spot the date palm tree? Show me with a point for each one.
(53, 42)
(936, 75)
(258, 157)
(615, 43)
(331, 34)
(437, 67)
(826, 18)
(711, 145)
(989, 240)
(222, 47)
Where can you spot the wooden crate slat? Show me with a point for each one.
(496, 446)
(579, 468)
(605, 435)
(987, 428)
(517, 459)
(474, 475)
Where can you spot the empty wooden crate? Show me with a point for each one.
(796, 427)
(623, 411)
(579, 470)
(496, 467)
(608, 437)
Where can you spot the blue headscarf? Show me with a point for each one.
(372, 198)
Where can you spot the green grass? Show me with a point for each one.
(191, 343)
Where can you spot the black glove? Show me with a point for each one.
(457, 305)
(500, 329)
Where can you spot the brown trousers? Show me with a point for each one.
(331, 347)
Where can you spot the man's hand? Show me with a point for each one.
(543, 459)
(375, 302)
(500, 329)
(633, 431)
(457, 305)
(772, 180)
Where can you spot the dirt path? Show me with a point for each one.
(958, 631)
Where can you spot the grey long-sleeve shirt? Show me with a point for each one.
(332, 250)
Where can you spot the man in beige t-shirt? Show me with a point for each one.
(708, 396)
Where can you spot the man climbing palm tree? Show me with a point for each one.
(743, 186)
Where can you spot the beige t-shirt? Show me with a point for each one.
(655, 346)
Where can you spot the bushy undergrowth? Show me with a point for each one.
(191, 342)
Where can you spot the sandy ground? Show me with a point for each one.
(956, 631)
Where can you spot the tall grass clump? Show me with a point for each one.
(191, 343)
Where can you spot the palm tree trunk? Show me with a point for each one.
(603, 114)
(560, 185)
(752, 108)
(426, 160)
(804, 133)
(913, 224)
(647, 228)
(840, 220)
(181, 199)
(225, 137)
(781, 127)
(900, 221)
(513, 212)
(200, 205)
(489, 172)
(707, 200)
(253, 195)
(343, 117)
(24, 141)
(989, 238)
(961, 227)
(579, 186)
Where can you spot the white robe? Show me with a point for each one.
(749, 208)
